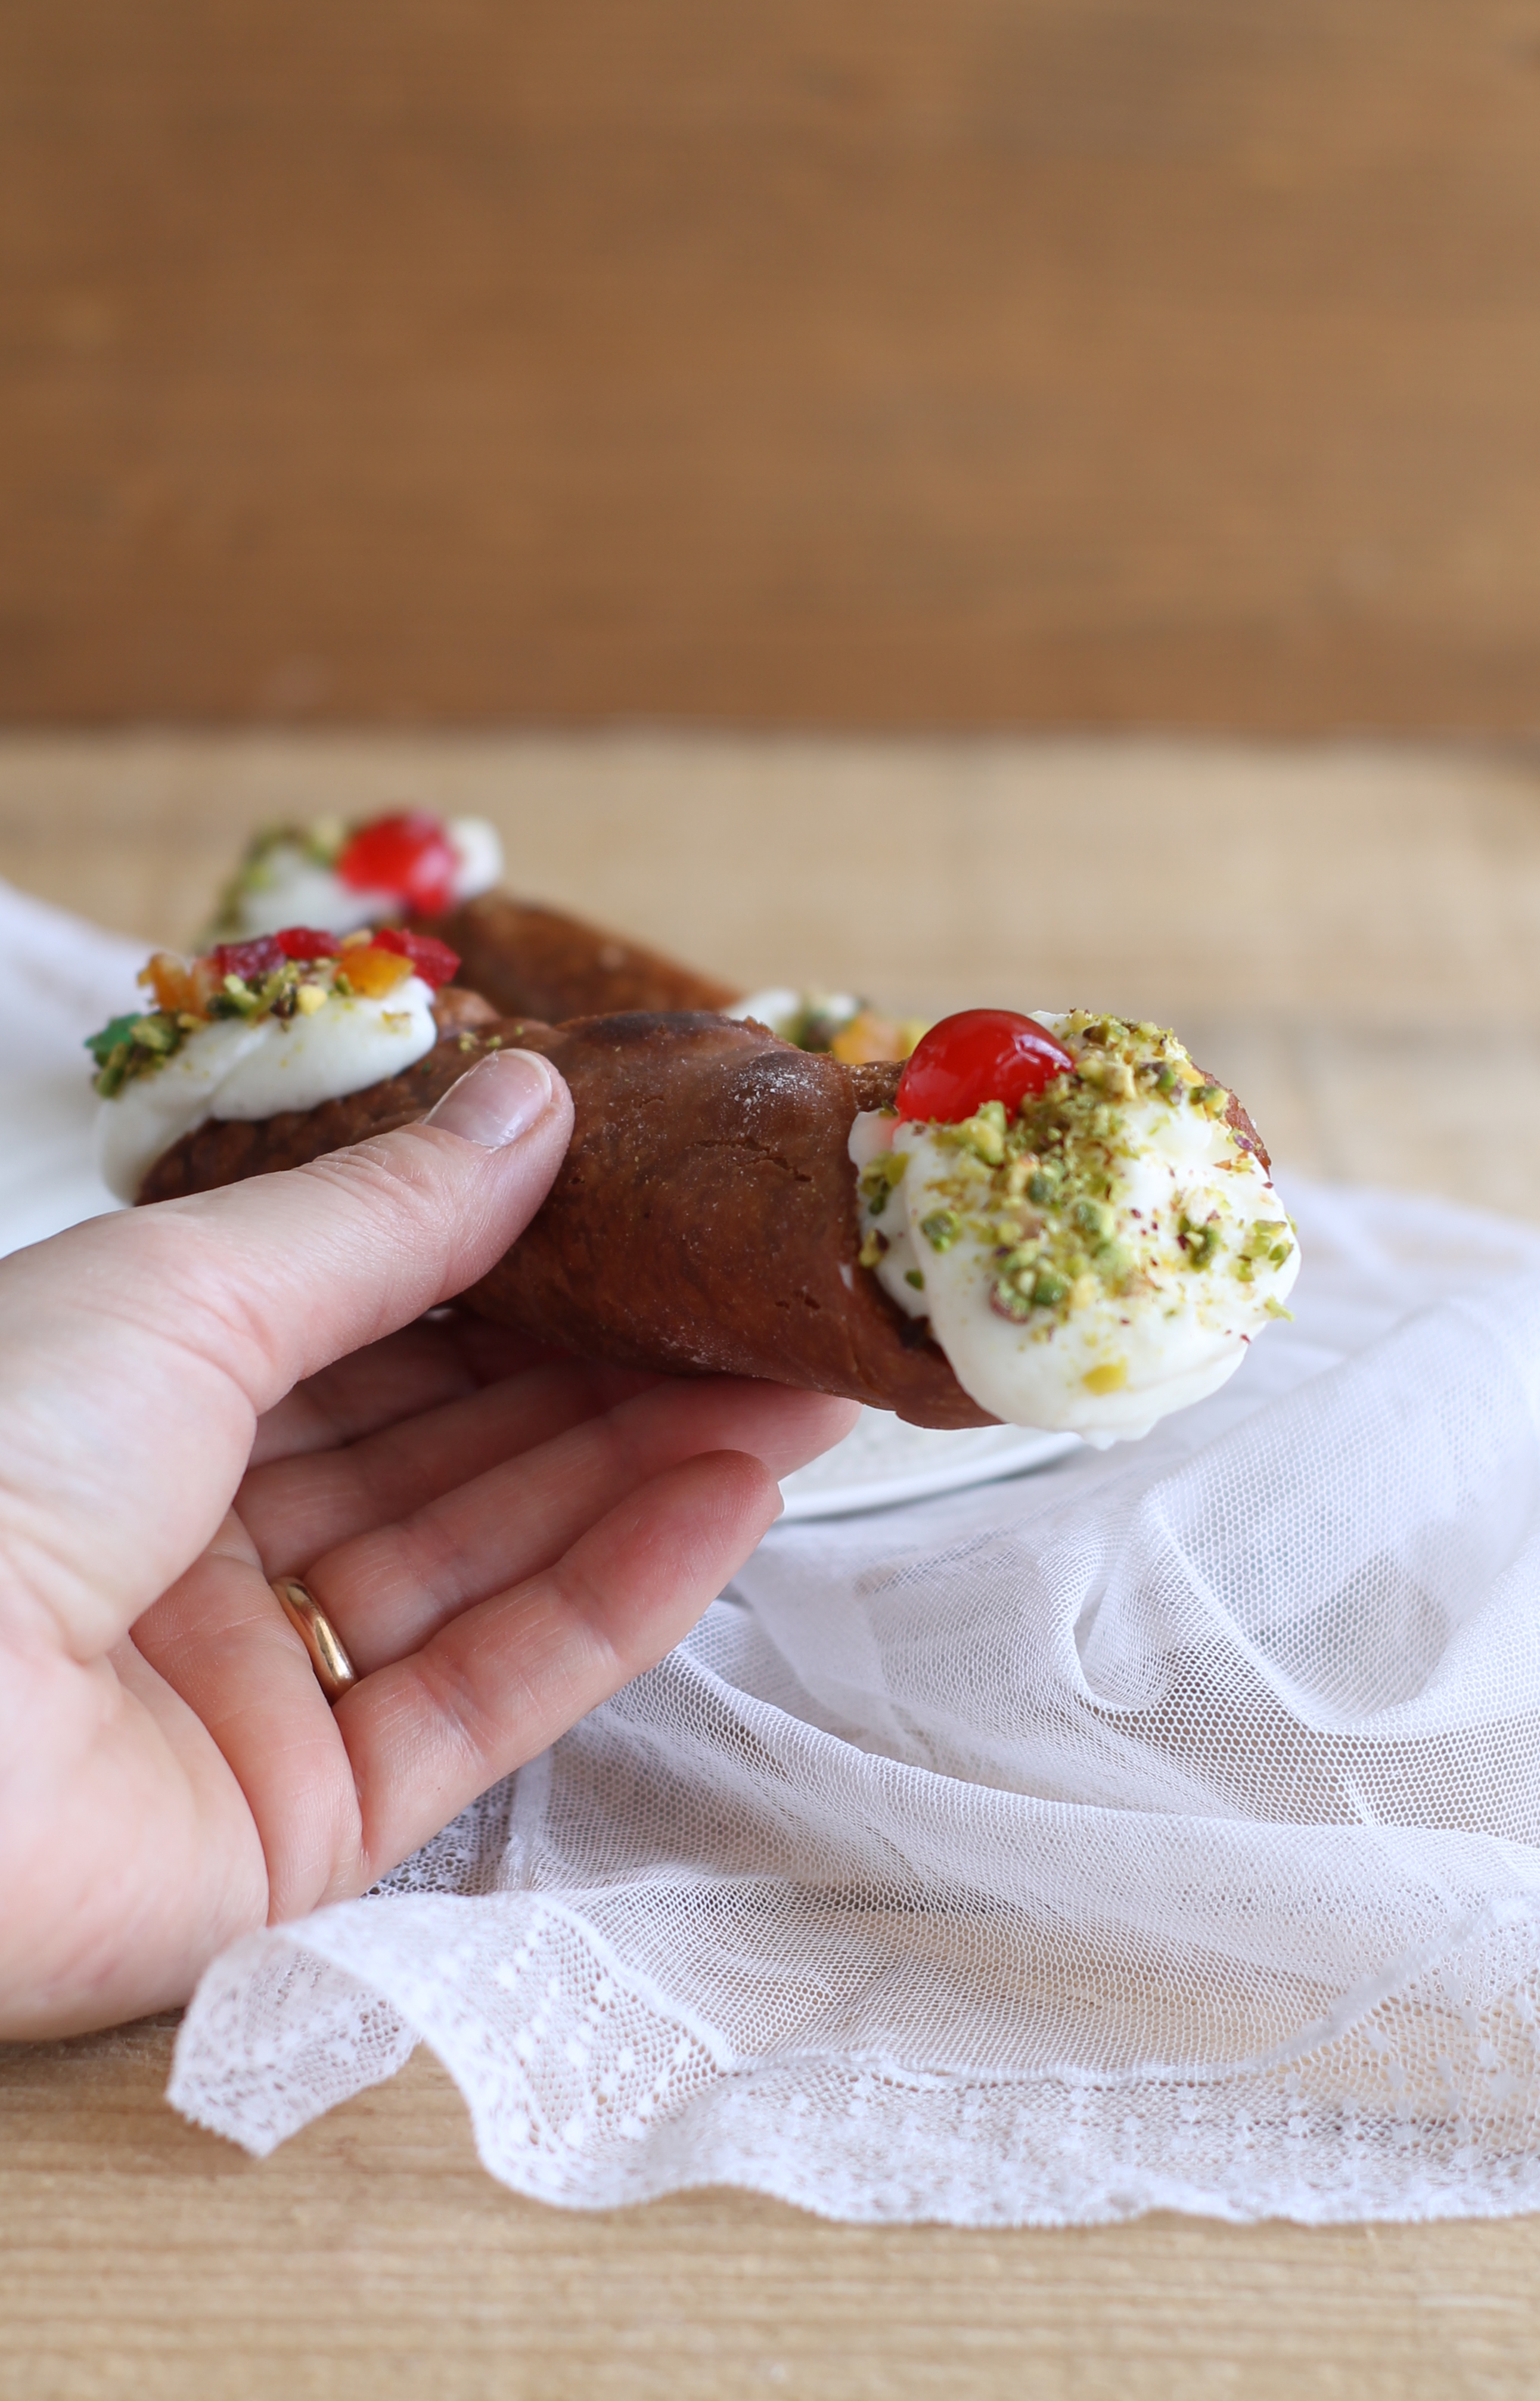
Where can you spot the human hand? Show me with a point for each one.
(201, 1397)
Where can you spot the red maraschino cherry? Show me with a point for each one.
(409, 855)
(981, 1054)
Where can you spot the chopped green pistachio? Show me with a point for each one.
(1110, 1076)
(872, 1249)
(1276, 1309)
(879, 1177)
(913, 1276)
(1200, 1243)
(1046, 1190)
(984, 1134)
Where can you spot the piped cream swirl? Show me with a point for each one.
(287, 882)
(234, 1068)
(1098, 1262)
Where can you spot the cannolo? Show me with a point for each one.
(1055, 1222)
(438, 875)
(534, 962)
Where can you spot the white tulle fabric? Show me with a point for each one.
(1159, 1830)
(1162, 1828)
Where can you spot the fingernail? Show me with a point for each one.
(500, 1099)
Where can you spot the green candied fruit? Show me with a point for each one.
(103, 1045)
(130, 1047)
(941, 1229)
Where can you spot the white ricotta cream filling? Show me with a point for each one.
(787, 1012)
(234, 1069)
(1104, 1363)
(285, 887)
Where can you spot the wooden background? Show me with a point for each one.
(893, 362)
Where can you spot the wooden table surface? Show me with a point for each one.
(1006, 363)
(1354, 936)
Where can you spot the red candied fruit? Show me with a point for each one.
(409, 855)
(434, 961)
(261, 956)
(306, 942)
(981, 1054)
(264, 953)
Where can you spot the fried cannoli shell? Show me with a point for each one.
(534, 962)
(703, 1220)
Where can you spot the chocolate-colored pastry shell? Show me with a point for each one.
(534, 962)
(703, 1220)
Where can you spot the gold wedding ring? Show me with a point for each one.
(334, 1670)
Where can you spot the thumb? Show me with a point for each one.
(141, 1348)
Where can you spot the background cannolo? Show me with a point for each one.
(439, 875)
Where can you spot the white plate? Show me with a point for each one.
(883, 1462)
